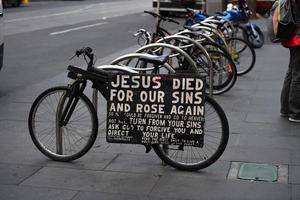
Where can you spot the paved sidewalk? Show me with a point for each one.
(110, 171)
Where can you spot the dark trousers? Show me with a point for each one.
(290, 94)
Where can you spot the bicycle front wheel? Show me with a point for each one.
(216, 134)
(256, 41)
(242, 54)
(62, 142)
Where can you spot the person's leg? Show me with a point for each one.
(285, 92)
(294, 96)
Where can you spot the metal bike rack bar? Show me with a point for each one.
(113, 68)
(197, 44)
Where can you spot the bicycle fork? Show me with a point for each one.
(252, 31)
(64, 113)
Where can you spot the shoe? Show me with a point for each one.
(284, 115)
(291, 119)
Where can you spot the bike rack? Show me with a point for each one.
(112, 68)
(197, 44)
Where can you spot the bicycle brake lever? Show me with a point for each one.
(77, 53)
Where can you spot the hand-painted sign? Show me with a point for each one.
(156, 109)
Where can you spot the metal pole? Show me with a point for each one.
(211, 82)
(157, 11)
(95, 99)
(59, 138)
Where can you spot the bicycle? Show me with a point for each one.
(224, 72)
(63, 122)
(241, 52)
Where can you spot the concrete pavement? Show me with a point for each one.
(111, 171)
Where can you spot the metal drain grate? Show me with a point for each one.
(258, 172)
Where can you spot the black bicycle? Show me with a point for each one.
(63, 122)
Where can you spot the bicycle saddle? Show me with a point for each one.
(156, 60)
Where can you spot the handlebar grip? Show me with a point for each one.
(88, 49)
(84, 50)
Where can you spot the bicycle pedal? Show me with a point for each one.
(180, 147)
(148, 148)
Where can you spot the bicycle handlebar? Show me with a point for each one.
(161, 17)
(86, 51)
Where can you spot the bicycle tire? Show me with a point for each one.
(224, 70)
(213, 112)
(57, 97)
(254, 42)
(237, 55)
(241, 31)
(222, 67)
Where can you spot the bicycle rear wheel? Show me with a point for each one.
(62, 143)
(242, 54)
(224, 70)
(216, 134)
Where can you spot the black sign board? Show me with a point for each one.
(156, 109)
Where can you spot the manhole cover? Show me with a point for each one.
(258, 172)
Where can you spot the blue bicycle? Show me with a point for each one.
(240, 19)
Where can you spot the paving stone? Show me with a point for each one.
(31, 156)
(14, 174)
(261, 100)
(201, 188)
(15, 111)
(266, 129)
(264, 118)
(153, 165)
(234, 139)
(102, 146)
(295, 192)
(228, 100)
(136, 164)
(280, 142)
(270, 86)
(235, 116)
(246, 85)
(295, 129)
(294, 175)
(88, 180)
(257, 154)
(27, 155)
(273, 97)
(295, 157)
(90, 161)
(272, 76)
(108, 196)
(216, 171)
(14, 133)
(240, 107)
(11, 192)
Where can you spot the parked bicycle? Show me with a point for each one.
(215, 57)
(240, 18)
(63, 122)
